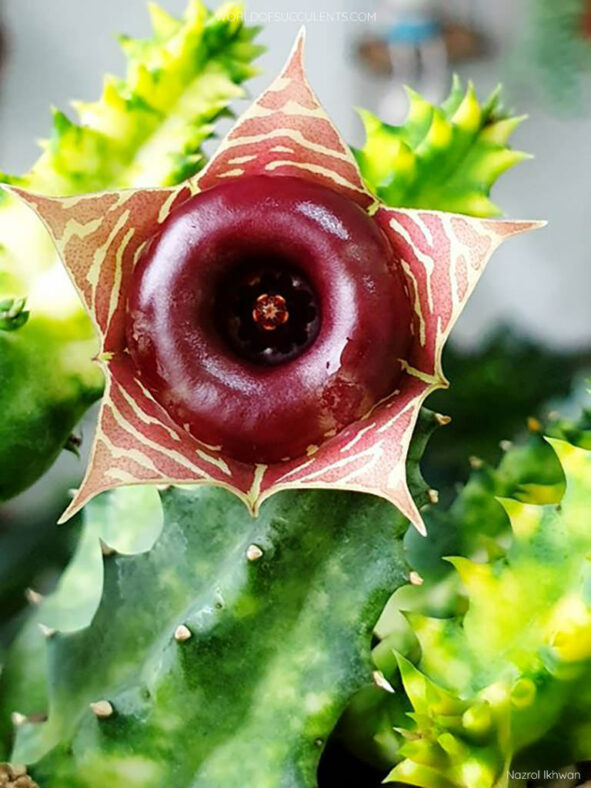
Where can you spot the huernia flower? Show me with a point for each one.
(269, 324)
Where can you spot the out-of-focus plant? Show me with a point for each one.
(508, 375)
(441, 158)
(552, 50)
(491, 659)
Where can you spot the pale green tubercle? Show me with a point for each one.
(127, 521)
(442, 158)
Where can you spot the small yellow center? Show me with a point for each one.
(270, 312)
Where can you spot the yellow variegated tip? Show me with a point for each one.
(569, 630)
(440, 133)
(502, 130)
(477, 719)
(468, 116)
(420, 110)
(163, 24)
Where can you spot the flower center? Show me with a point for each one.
(270, 311)
(268, 314)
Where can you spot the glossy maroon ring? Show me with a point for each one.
(336, 299)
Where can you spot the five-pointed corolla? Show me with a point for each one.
(268, 324)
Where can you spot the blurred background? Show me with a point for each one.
(523, 345)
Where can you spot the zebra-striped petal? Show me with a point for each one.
(287, 132)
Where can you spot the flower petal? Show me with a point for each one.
(367, 456)
(442, 255)
(287, 132)
(138, 443)
(99, 237)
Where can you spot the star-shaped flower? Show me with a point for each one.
(101, 238)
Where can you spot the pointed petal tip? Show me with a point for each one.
(414, 516)
(528, 225)
(410, 510)
(506, 228)
(420, 526)
(10, 189)
(75, 506)
(295, 61)
(29, 198)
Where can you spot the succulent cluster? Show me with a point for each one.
(187, 642)
(552, 52)
(492, 651)
(491, 664)
(442, 158)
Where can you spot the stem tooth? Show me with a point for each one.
(433, 496)
(106, 550)
(415, 579)
(382, 682)
(254, 553)
(33, 597)
(442, 420)
(46, 631)
(102, 709)
(182, 633)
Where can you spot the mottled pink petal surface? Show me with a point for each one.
(285, 132)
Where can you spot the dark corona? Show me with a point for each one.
(267, 314)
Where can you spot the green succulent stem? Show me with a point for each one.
(267, 621)
(442, 158)
(492, 656)
(227, 652)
